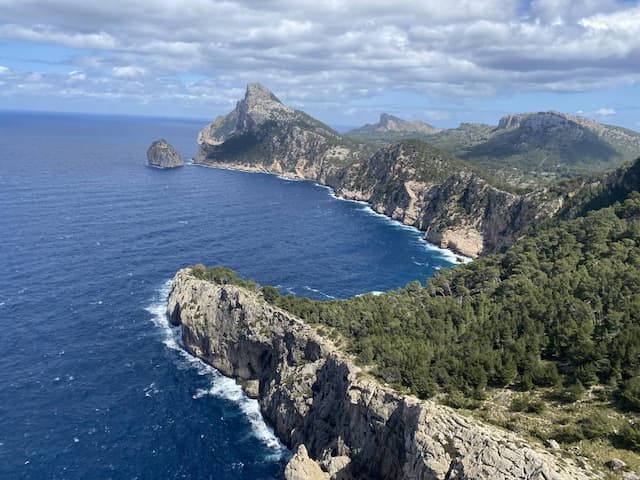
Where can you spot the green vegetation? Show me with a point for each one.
(556, 317)
(222, 276)
(561, 307)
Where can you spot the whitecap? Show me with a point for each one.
(319, 292)
(372, 292)
(221, 386)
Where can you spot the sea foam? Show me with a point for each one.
(221, 386)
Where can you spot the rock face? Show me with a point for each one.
(410, 181)
(162, 154)
(424, 187)
(327, 410)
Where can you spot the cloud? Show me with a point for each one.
(605, 112)
(76, 75)
(129, 71)
(317, 53)
(3, 70)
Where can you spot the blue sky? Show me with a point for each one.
(344, 62)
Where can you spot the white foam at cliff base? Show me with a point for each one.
(221, 386)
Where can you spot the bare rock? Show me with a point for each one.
(162, 154)
(301, 467)
(615, 464)
(552, 444)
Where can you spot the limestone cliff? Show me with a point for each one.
(326, 409)
(162, 154)
(410, 181)
(457, 208)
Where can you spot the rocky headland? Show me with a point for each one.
(161, 154)
(410, 181)
(339, 421)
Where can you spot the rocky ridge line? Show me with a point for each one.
(319, 402)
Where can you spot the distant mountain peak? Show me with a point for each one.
(389, 123)
(257, 93)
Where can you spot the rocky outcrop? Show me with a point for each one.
(162, 154)
(327, 409)
(301, 467)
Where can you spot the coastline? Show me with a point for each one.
(335, 418)
(451, 255)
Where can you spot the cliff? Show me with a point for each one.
(336, 418)
(456, 206)
(162, 154)
(410, 181)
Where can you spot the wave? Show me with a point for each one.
(319, 292)
(372, 292)
(221, 386)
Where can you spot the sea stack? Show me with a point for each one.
(161, 154)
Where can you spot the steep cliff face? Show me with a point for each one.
(422, 186)
(409, 181)
(319, 402)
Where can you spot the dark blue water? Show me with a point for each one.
(92, 384)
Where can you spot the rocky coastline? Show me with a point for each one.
(340, 422)
(409, 181)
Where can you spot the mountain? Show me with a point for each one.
(523, 150)
(390, 128)
(544, 142)
(262, 133)
(457, 204)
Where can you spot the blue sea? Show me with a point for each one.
(93, 382)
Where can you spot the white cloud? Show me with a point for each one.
(605, 112)
(319, 52)
(3, 70)
(76, 75)
(129, 71)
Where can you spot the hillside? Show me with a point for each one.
(543, 339)
(557, 315)
(526, 149)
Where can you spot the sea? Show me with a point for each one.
(93, 382)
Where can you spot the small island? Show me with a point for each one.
(161, 154)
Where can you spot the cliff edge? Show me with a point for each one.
(340, 422)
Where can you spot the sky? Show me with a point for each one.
(343, 61)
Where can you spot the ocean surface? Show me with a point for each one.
(93, 383)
